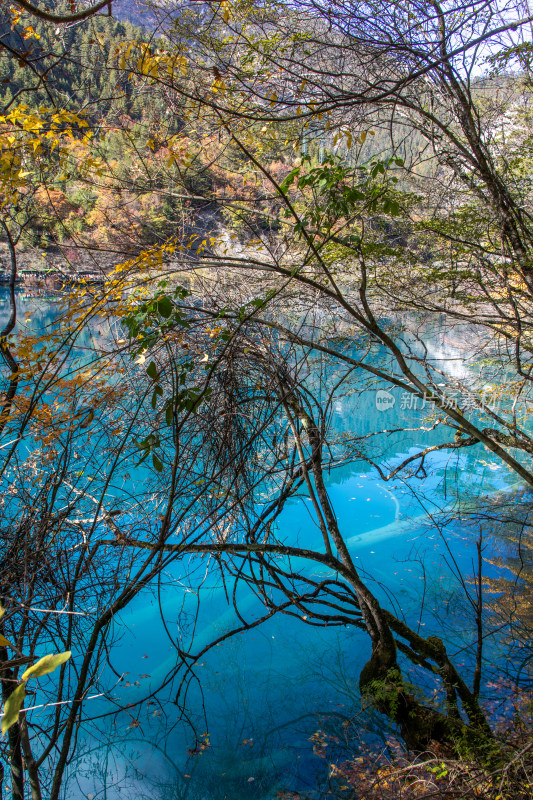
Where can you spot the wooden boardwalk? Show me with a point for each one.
(28, 276)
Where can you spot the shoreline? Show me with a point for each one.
(51, 279)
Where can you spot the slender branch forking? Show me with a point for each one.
(77, 16)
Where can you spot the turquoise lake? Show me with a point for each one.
(262, 695)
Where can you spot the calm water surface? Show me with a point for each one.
(262, 696)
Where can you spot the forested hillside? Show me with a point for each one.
(53, 69)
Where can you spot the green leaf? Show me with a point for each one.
(353, 195)
(158, 464)
(12, 707)
(168, 414)
(157, 391)
(45, 665)
(289, 179)
(151, 370)
(164, 307)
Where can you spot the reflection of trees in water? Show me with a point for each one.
(39, 303)
(38, 312)
(276, 748)
(128, 766)
(509, 524)
(260, 423)
(491, 535)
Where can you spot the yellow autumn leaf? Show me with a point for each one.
(12, 707)
(45, 665)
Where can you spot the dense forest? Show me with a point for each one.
(267, 360)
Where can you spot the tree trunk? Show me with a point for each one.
(13, 734)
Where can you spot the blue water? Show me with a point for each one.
(260, 696)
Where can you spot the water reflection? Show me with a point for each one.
(263, 696)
